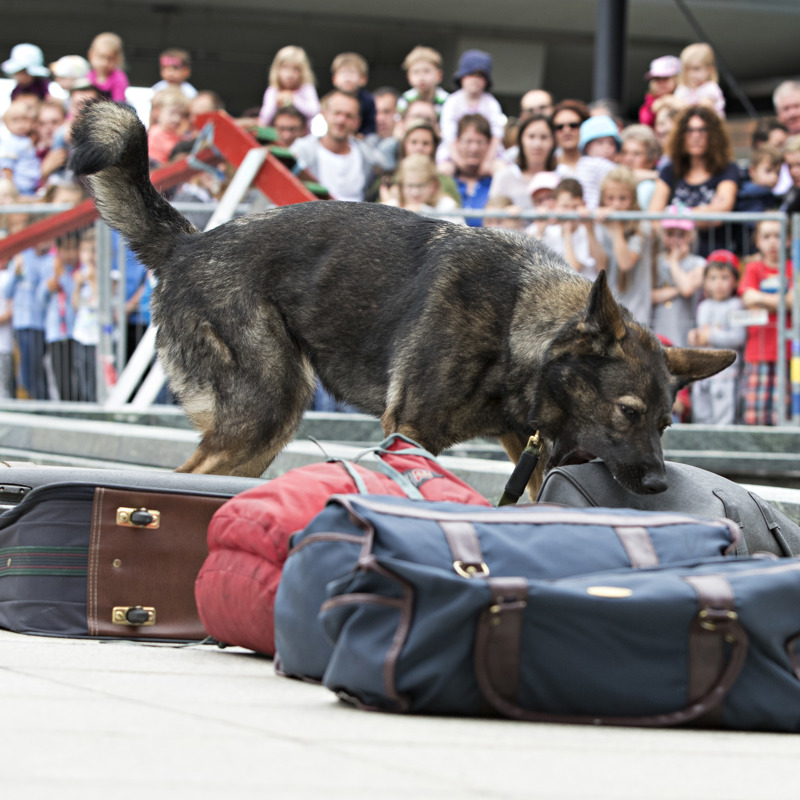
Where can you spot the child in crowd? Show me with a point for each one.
(26, 67)
(175, 66)
(698, 83)
(666, 110)
(542, 190)
(423, 68)
(663, 77)
(349, 73)
(86, 329)
(640, 152)
(69, 69)
(18, 159)
(575, 239)
(52, 114)
(714, 399)
(759, 289)
(9, 195)
(474, 81)
(55, 293)
(599, 145)
(170, 124)
(107, 58)
(678, 278)
(291, 83)
(501, 202)
(625, 243)
(27, 319)
(418, 188)
(756, 190)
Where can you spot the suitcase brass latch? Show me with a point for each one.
(133, 615)
(138, 517)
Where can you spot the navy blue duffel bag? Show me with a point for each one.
(716, 642)
(465, 543)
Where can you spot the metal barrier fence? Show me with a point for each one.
(113, 349)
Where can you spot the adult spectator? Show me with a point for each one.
(473, 141)
(536, 101)
(786, 99)
(55, 160)
(639, 153)
(701, 174)
(290, 124)
(770, 131)
(535, 153)
(384, 138)
(568, 116)
(343, 164)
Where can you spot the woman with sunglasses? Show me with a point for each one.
(701, 173)
(568, 115)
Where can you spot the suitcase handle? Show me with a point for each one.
(497, 660)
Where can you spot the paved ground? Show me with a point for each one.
(84, 719)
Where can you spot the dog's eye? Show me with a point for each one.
(629, 413)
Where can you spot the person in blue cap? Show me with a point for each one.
(474, 81)
(598, 144)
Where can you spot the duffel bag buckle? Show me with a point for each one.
(471, 570)
(711, 618)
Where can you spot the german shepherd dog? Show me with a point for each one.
(444, 332)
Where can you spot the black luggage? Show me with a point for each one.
(105, 553)
(691, 491)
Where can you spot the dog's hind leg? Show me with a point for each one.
(248, 415)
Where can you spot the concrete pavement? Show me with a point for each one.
(86, 719)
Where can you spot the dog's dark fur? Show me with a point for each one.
(443, 331)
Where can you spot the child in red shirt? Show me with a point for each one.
(759, 292)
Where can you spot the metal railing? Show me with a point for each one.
(111, 280)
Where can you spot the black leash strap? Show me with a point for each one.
(522, 473)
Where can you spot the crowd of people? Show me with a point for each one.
(694, 282)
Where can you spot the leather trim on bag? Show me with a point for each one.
(638, 545)
(715, 598)
(464, 545)
(501, 625)
(727, 628)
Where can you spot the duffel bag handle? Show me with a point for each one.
(497, 659)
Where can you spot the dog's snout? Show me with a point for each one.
(653, 484)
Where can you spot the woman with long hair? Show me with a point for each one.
(536, 153)
(701, 173)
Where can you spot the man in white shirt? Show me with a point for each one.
(344, 165)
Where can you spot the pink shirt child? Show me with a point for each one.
(115, 84)
(304, 99)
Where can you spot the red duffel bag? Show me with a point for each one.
(248, 535)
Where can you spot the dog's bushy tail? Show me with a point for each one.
(110, 148)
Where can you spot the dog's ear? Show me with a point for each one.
(602, 324)
(689, 364)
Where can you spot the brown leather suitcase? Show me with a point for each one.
(106, 558)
